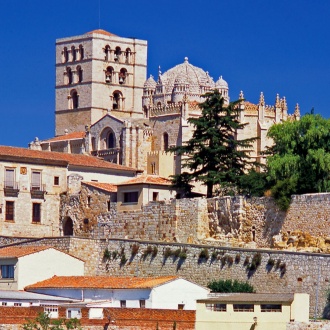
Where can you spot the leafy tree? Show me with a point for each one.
(230, 286)
(213, 155)
(299, 160)
(254, 183)
(44, 322)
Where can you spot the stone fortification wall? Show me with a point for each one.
(279, 271)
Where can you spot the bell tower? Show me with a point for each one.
(98, 72)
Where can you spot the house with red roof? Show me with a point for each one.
(164, 292)
(24, 265)
(32, 181)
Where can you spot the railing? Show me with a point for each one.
(106, 152)
(38, 191)
(11, 188)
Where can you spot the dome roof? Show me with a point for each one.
(150, 82)
(221, 83)
(187, 74)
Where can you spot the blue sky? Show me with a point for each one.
(273, 46)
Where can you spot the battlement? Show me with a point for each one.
(160, 110)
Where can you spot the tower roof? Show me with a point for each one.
(221, 83)
(100, 31)
(150, 82)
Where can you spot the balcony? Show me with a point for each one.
(11, 189)
(106, 152)
(38, 191)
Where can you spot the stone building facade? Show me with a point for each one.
(106, 107)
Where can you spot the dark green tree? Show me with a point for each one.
(254, 183)
(213, 156)
(230, 286)
(299, 160)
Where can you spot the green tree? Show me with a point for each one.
(213, 155)
(254, 183)
(230, 286)
(299, 160)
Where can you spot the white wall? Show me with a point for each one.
(45, 264)
(179, 291)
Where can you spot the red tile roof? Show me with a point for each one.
(103, 186)
(100, 31)
(101, 282)
(21, 251)
(65, 137)
(147, 179)
(45, 157)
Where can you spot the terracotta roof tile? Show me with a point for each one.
(103, 186)
(101, 282)
(100, 31)
(147, 179)
(20, 251)
(70, 159)
(65, 137)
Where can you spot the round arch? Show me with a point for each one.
(67, 226)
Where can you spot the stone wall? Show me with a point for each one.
(291, 271)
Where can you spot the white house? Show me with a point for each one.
(23, 265)
(167, 292)
(264, 311)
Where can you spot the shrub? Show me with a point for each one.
(271, 262)
(167, 253)
(230, 286)
(278, 263)
(183, 253)
(214, 255)
(176, 253)
(123, 259)
(246, 261)
(256, 261)
(154, 251)
(147, 251)
(135, 249)
(223, 261)
(204, 254)
(230, 260)
(114, 254)
(237, 258)
(106, 254)
(283, 268)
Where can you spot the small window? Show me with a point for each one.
(56, 180)
(72, 313)
(155, 196)
(36, 180)
(89, 199)
(10, 178)
(181, 306)
(17, 304)
(4, 303)
(216, 307)
(123, 303)
(243, 308)
(10, 210)
(108, 205)
(131, 197)
(7, 271)
(273, 308)
(36, 212)
(142, 304)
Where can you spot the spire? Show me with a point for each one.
(283, 104)
(186, 59)
(159, 74)
(241, 95)
(262, 99)
(297, 111)
(277, 101)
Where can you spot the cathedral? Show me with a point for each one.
(106, 106)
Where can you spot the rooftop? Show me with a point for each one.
(147, 179)
(100, 31)
(249, 297)
(21, 251)
(23, 295)
(109, 187)
(101, 282)
(48, 157)
(65, 137)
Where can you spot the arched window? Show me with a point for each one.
(107, 139)
(68, 227)
(81, 52)
(117, 54)
(107, 51)
(117, 100)
(122, 76)
(165, 141)
(111, 140)
(64, 55)
(69, 75)
(109, 75)
(128, 54)
(73, 100)
(73, 53)
(79, 74)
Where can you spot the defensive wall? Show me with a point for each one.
(279, 271)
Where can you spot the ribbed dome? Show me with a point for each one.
(221, 83)
(186, 73)
(150, 83)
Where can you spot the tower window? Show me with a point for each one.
(122, 76)
(79, 74)
(117, 54)
(128, 55)
(107, 52)
(165, 141)
(73, 53)
(81, 52)
(73, 100)
(64, 55)
(109, 74)
(117, 101)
